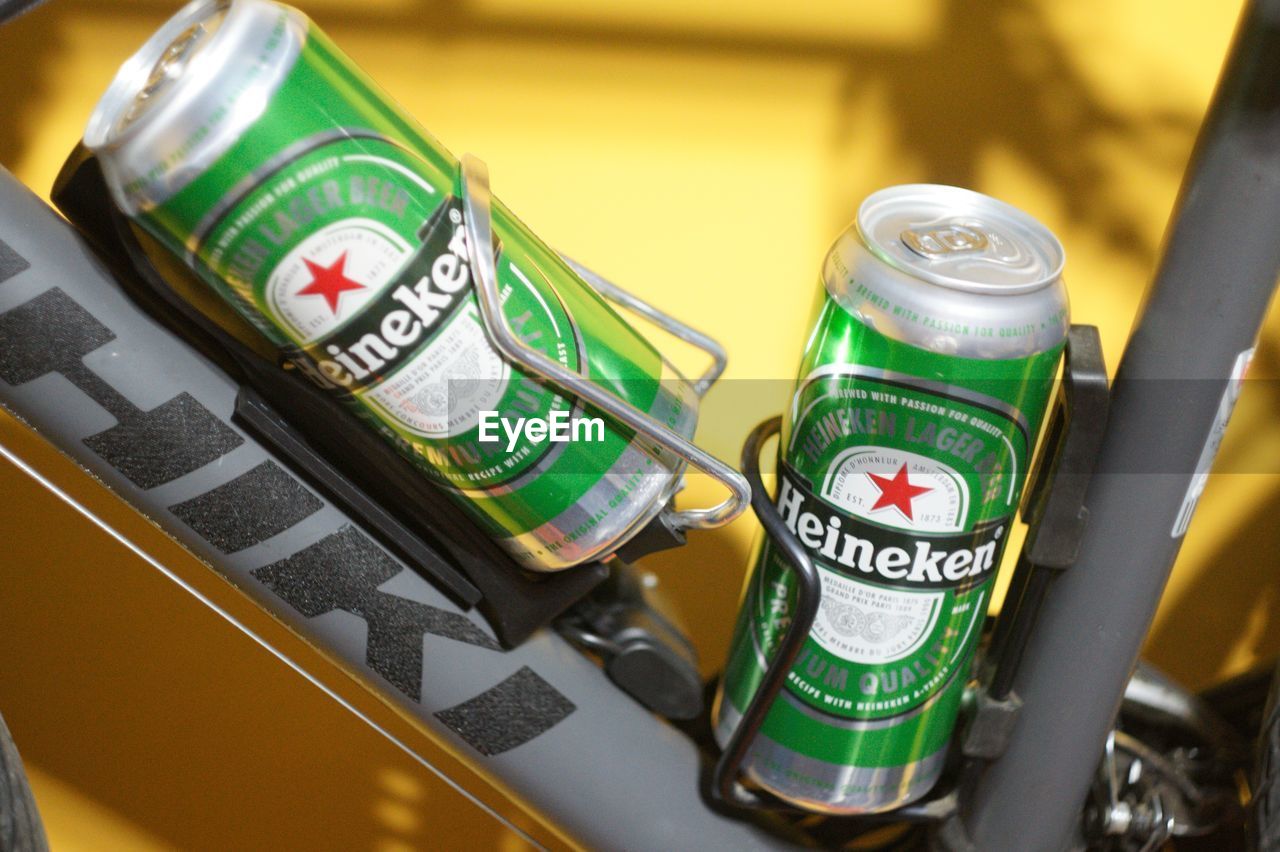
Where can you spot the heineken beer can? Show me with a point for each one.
(936, 338)
(245, 142)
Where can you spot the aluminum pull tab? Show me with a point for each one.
(945, 241)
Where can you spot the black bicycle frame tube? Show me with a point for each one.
(1171, 398)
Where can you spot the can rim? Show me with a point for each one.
(964, 201)
(102, 131)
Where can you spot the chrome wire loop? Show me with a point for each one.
(478, 222)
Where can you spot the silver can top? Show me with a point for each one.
(960, 239)
(188, 93)
(953, 271)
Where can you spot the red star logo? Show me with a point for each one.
(897, 492)
(329, 281)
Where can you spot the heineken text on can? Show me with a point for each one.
(246, 143)
(902, 456)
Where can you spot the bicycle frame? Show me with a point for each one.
(1182, 365)
(524, 717)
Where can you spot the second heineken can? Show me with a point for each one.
(244, 141)
(903, 452)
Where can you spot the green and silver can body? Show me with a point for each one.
(245, 142)
(935, 343)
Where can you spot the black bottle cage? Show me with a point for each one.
(338, 456)
(1054, 509)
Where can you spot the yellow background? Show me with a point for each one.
(703, 154)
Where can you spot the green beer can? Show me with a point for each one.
(246, 143)
(936, 339)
